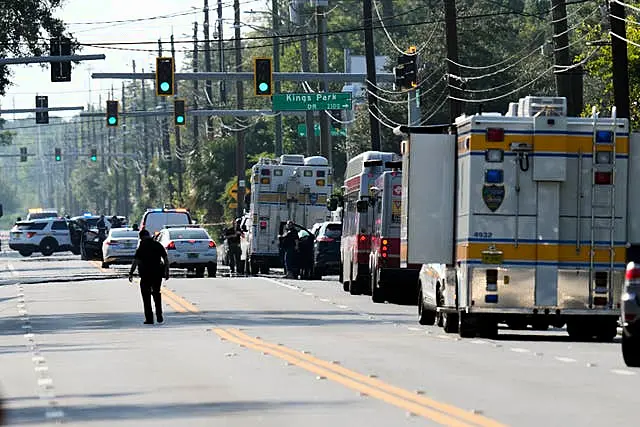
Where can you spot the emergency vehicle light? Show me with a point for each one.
(494, 155)
(181, 210)
(263, 225)
(491, 299)
(308, 173)
(494, 176)
(266, 172)
(603, 157)
(277, 172)
(265, 180)
(603, 178)
(320, 174)
(604, 136)
(385, 241)
(320, 182)
(632, 272)
(495, 134)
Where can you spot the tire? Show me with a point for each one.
(355, 287)
(254, 268)
(577, 331)
(607, 330)
(425, 316)
(48, 246)
(105, 265)
(377, 292)
(212, 269)
(631, 350)
(264, 269)
(74, 250)
(450, 323)
(25, 252)
(200, 272)
(467, 326)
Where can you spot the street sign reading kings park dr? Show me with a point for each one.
(311, 101)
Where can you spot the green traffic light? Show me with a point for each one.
(112, 120)
(164, 86)
(180, 119)
(58, 158)
(263, 87)
(94, 158)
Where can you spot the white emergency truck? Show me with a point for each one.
(291, 187)
(521, 219)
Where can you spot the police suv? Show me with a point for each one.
(47, 236)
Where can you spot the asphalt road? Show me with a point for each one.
(274, 352)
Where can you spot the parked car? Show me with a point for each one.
(156, 219)
(85, 237)
(46, 236)
(630, 314)
(190, 247)
(119, 247)
(326, 250)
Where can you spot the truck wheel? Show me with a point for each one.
(253, 267)
(377, 293)
(631, 350)
(489, 329)
(607, 330)
(450, 323)
(199, 272)
(425, 316)
(212, 269)
(48, 246)
(467, 327)
(264, 269)
(105, 265)
(578, 331)
(26, 252)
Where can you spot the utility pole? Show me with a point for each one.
(561, 55)
(276, 68)
(125, 180)
(222, 85)
(370, 56)
(207, 64)
(240, 150)
(136, 134)
(196, 120)
(94, 138)
(113, 150)
(325, 122)
(455, 106)
(145, 135)
(166, 143)
(619, 59)
(304, 51)
(177, 133)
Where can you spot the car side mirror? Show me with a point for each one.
(362, 206)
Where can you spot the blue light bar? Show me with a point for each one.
(157, 210)
(604, 136)
(86, 214)
(493, 299)
(494, 176)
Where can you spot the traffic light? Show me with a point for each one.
(407, 71)
(42, 118)
(164, 76)
(94, 155)
(58, 155)
(23, 154)
(262, 76)
(179, 116)
(60, 71)
(112, 113)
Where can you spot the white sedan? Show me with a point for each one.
(190, 247)
(119, 247)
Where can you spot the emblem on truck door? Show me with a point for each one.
(493, 195)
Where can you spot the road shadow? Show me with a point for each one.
(130, 413)
(564, 338)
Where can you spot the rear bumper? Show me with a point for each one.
(21, 246)
(399, 278)
(183, 260)
(119, 259)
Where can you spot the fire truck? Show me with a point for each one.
(357, 225)
(389, 282)
(521, 219)
(291, 187)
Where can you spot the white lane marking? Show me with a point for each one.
(284, 285)
(14, 273)
(565, 359)
(479, 342)
(412, 328)
(342, 306)
(324, 299)
(622, 372)
(519, 350)
(445, 337)
(45, 381)
(309, 294)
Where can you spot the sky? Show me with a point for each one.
(85, 19)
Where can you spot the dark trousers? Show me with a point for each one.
(235, 258)
(151, 286)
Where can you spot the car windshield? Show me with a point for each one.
(188, 234)
(333, 230)
(124, 234)
(155, 221)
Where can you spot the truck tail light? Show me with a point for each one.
(171, 245)
(632, 273)
(603, 178)
(363, 242)
(495, 134)
(263, 225)
(212, 244)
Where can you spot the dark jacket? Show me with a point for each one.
(233, 236)
(289, 240)
(151, 258)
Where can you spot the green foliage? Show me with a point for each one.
(6, 137)
(22, 27)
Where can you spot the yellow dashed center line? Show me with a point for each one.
(420, 405)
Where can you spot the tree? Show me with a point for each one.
(6, 137)
(22, 28)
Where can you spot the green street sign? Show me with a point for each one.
(311, 101)
(302, 130)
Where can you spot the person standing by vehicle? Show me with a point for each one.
(115, 222)
(153, 264)
(289, 242)
(233, 234)
(102, 227)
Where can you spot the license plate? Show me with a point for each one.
(192, 255)
(492, 258)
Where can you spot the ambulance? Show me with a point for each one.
(389, 282)
(291, 187)
(357, 218)
(522, 219)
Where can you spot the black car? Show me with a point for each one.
(85, 237)
(326, 250)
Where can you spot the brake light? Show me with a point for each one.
(362, 238)
(363, 242)
(603, 178)
(325, 239)
(112, 242)
(30, 234)
(212, 244)
(192, 241)
(171, 245)
(265, 181)
(263, 225)
(266, 172)
(632, 272)
(384, 248)
(629, 317)
(495, 134)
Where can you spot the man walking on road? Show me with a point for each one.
(153, 264)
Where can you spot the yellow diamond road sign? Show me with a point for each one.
(233, 191)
